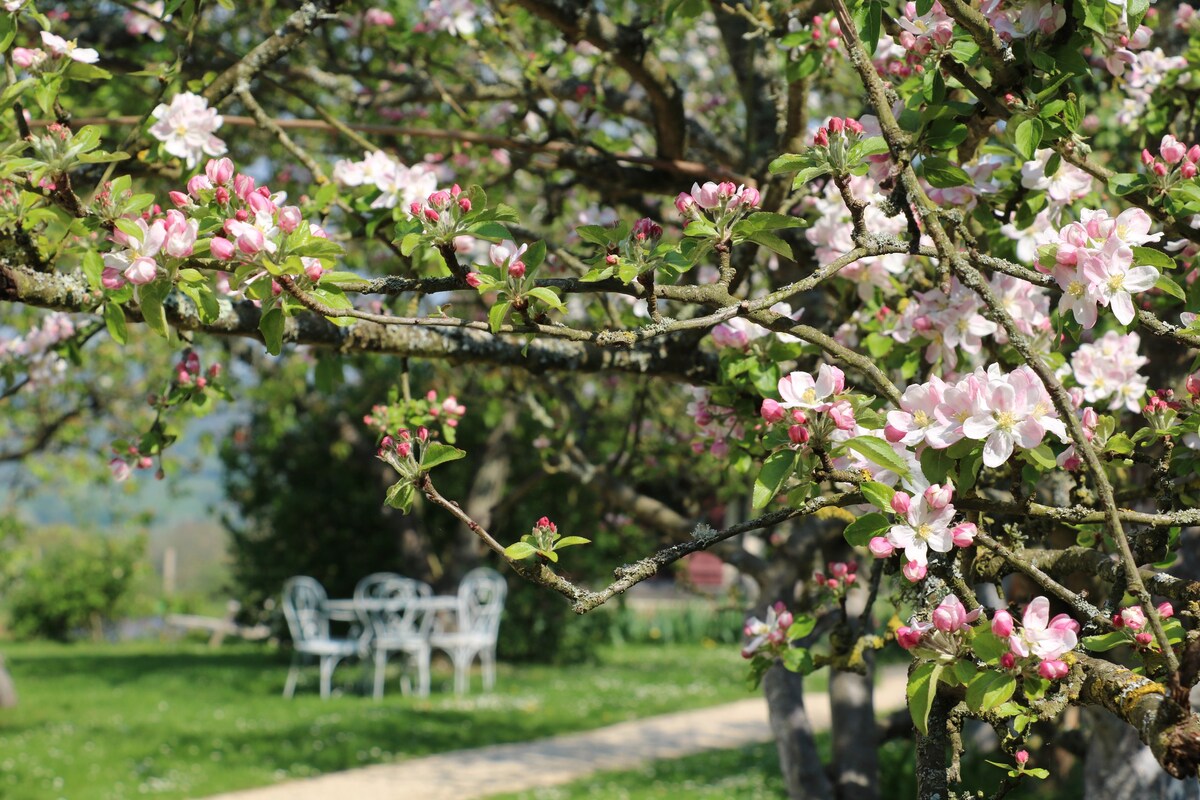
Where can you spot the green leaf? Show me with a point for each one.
(1105, 641)
(271, 325)
(1124, 183)
(922, 686)
(945, 133)
(114, 320)
(496, 315)
(877, 451)
(13, 91)
(809, 174)
(1149, 257)
(1042, 456)
(776, 470)
(772, 243)
(941, 174)
(519, 550)
(964, 670)
(878, 494)
(567, 541)
(989, 689)
(988, 646)
(150, 299)
(860, 532)
(409, 243)
(547, 296)
(802, 625)
(868, 18)
(1028, 137)
(798, 659)
(436, 453)
(1170, 287)
(400, 495)
(1119, 443)
(865, 148)
(935, 465)
(535, 254)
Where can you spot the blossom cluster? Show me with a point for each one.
(143, 19)
(58, 51)
(187, 128)
(769, 635)
(942, 638)
(718, 425)
(925, 524)
(1019, 21)
(1039, 637)
(1001, 410)
(923, 33)
(398, 184)
(832, 235)
(1107, 369)
(419, 412)
(137, 260)
(37, 350)
(722, 203)
(1094, 265)
(1132, 619)
(838, 577)
(1175, 159)
(739, 332)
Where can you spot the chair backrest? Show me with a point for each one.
(304, 609)
(380, 600)
(481, 602)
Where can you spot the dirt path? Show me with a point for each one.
(485, 771)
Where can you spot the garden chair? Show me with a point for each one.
(391, 612)
(480, 603)
(307, 619)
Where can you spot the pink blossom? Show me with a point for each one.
(880, 547)
(111, 279)
(1133, 617)
(1041, 636)
(120, 469)
(1002, 624)
(187, 128)
(378, 17)
(771, 411)
(221, 248)
(1165, 610)
(901, 502)
(1022, 757)
(939, 496)
(963, 534)
(181, 234)
(27, 59)
(951, 615)
(907, 637)
(289, 218)
(801, 390)
(1053, 669)
(914, 571)
(1171, 149)
(60, 47)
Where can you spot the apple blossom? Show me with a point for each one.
(187, 128)
(59, 47)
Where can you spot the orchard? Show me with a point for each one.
(908, 290)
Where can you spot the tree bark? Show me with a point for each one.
(932, 780)
(803, 773)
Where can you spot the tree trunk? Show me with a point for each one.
(8, 691)
(1119, 766)
(855, 750)
(932, 780)
(803, 773)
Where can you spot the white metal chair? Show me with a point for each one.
(480, 604)
(396, 624)
(304, 609)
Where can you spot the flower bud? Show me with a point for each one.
(473, 279)
(120, 469)
(464, 204)
(819, 578)
(404, 449)
(880, 547)
(1144, 638)
(1187, 169)
(422, 434)
(914, 571)
(1022, 756)
(198, 183)
(1165, 610)
(907, 637)
(798, 434)
(1053, 669)
(180, 199)
(1193, 385)
(516, 270)
(289, 218)
(838, 569)
(1133, 617)
(963, 534)
(222, 195)
(1008, 661)
(901, 502)
(939, 496)
(111, 279)
(771, 411)
(1002, 624)
(219, 171)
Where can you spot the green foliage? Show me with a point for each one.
(61, 583)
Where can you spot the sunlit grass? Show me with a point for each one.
(173, 721)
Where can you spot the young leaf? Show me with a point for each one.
(436, 453)
(776, 470)
(989, 689)
(519, 550)
(271, 326)
(860, 532)
(877, 451)
(567, 541)
(400, 496)
(496, 316)
(922, 686)
(114, 320)
(878, 494)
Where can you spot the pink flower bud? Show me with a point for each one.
(198, 183)
(938, 497)
(1022, 757)
(850, 579)
(685, 204)
(516, 269)
(1053, 669)
(145, 462)
(422, 434)
(120, 469)
(544, 522)
(1144, 638)
(914, 571)
(842, 415)
(179, 199)
(798, 434)
(901, 502)
(221, 248)
(464, 204)
(1002, 624)
(836, 124)
(219, 171)
(771, 411)
(785, 620)
(1193, 153)
(25, 58)
(221, 195)
(1165, 610)
(1160, 169)
(880, 547)
(404, 449)
(1172, 149)
(313, 269)
(431, 215)
(1133, 617)
(1147, 157)
(893, 434)
(799, 417)
(1193, 385)
(473, 279)
(111, 279)
(1008, 661)
(907, 637)
(1187, 169)
(832, 583)
(963, 534)
(838, 569)
(821, 138)
(751, 197)
(289, 218)
(243, 186)
(440, 199)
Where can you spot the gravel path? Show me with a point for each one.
(485, 771)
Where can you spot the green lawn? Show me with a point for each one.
(174, 721)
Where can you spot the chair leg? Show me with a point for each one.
(487, 657)
(462, 670)
(327, 664)
(381, 659)
(422, 659)
(289, 688)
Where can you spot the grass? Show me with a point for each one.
(173, 721)
(752, 773)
